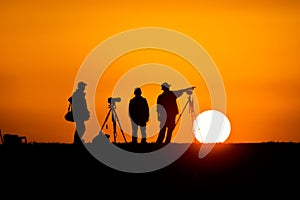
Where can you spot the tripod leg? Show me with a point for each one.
(105, 120)
(116, 117)
(114, 125)
(188, 101)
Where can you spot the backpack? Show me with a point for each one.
(69, 115)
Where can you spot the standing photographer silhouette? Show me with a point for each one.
(139, 115)
(167, 110)
(80, 112)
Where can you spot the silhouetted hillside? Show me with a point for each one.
(229, 170)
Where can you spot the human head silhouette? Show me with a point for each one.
(137, 91)
(81, 85)
(165, 86)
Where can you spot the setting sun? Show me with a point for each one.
(211, 126)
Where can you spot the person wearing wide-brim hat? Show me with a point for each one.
(167, 110)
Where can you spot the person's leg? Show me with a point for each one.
(134, 132)
(161, 134)
(143, 132)
(80, 129)
(76, 139)
(171, 126)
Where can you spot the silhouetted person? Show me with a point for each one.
(167, 111)
(139, 115)
(80, 111)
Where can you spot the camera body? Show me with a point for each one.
(112, 100)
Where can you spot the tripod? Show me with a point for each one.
(191, 109)
(114, 118)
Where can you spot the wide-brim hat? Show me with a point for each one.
(166, 85)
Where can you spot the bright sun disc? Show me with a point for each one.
(211, 126)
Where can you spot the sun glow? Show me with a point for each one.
(211, 126)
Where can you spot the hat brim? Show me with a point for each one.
(166, 85)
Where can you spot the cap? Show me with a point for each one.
(166, 85)
(81, 83)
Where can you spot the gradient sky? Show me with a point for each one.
(255, 45)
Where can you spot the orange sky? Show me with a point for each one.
(254, 44)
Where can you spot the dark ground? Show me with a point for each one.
(230, 170)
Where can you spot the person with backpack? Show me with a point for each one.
(80, 112)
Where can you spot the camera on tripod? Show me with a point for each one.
(113, 100)
(114, 116)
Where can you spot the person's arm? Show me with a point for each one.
(147, 110)
(130, 109)
(178, 93)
